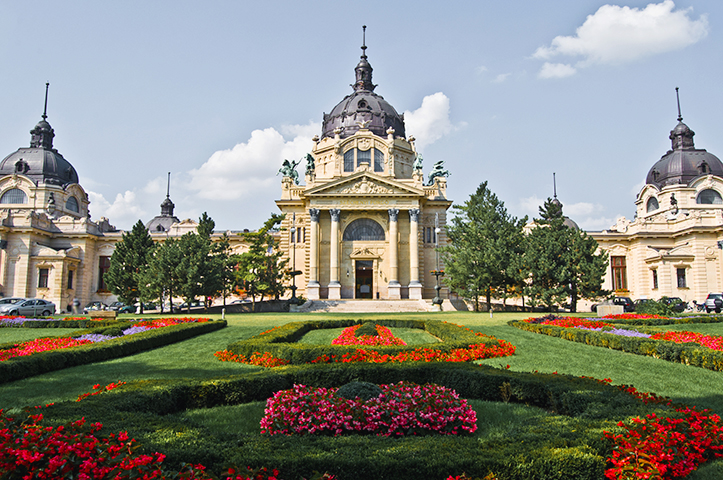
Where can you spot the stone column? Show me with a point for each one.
(394, 287)
(415, 287)
(334, 285)
(312, 288)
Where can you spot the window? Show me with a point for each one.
(72, 205)
(363, 157)
(364, 229)
(43, 277)
(14, 195)
(349, 161)
(709, 197)
(103, 267)
(620, 281)
(70, 279)
(655, 279)
(652, 204)
(378, 160)
(681, 278)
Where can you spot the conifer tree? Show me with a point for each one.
(484, 245)
(128, 264)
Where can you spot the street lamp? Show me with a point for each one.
(437, 300)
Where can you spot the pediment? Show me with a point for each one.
(363, 254)
(364, 183)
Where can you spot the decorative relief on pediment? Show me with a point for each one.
(364, 144)
(365, 186)
(363, 253)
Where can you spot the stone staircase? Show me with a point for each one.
(361, 306)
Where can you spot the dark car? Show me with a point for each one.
(121, 307)
(94, 306)
(675, 303)
(625, 302)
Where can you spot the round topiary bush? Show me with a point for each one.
(363, 390)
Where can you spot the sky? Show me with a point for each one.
(219, 93)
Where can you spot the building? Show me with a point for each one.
(673, 245)
(364, 224)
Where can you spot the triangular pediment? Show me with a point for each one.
(363, 254)
(364, 183)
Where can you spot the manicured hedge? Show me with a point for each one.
(563, 446)
(664, 321)
(687, 353)
(281, 342)
(27, 366)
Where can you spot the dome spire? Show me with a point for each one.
(554, 191)
(364, 69)
(42, 135)
(681, 136)
(167, 206)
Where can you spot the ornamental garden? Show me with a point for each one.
(366, 396)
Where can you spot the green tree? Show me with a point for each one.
(128, 264)
(484, 244)
(161, 279)
(561, 263)
(261, 271)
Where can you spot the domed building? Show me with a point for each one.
(50, 248)
(673, 246)
(364, 224)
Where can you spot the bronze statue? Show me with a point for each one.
(417, 165)
(437, 171)
(310, 167)
(288, 169)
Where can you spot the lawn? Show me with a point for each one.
(194, 358)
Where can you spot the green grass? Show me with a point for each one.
(13, 334)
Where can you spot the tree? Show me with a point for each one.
(128, 263)
(161, 278)
(261, 271)
(485, 243)
(561, 262)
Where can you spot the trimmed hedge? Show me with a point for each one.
(687, 353)
(664, 321)
(281, 342)
(17, 368)
(569, 445)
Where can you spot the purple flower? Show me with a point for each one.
(132, 330)
(95, 337)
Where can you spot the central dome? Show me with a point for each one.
(363, 108)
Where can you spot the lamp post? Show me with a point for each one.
(294, 272)
(437, 300)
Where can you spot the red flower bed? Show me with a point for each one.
(265, 360)
(385, 337)
(714, 342)
(97, 390)
(403, 408)
(634, 316)
(40, 345)
(569, 322)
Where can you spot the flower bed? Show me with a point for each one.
(384, 337)
(402, 409)
(714, 342)
(634, 316)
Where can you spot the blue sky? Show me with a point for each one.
(220, 92)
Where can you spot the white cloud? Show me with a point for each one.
(125, 209)
(581, 209)
(616, 35)
(430, 122)
(480, 70)
(501, 77)
(530, 206)
(556, 70)
(250, 168)
(596, 223)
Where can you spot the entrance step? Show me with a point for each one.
(362, 306)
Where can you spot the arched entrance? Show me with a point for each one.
(363, 278)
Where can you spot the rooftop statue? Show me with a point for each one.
(437, 171)
(417, 165)
(288, 169)
(310, 167)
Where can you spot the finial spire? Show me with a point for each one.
(45, 109)
(677, 97)
(364, 41)
(168, 186)
(554, 186)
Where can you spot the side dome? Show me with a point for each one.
(363, 108)
(684, 163)
(40, 162)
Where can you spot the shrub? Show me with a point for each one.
(363, 390)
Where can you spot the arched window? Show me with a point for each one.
(364, 229)
(72, 205)
(14, 195)
(378, 161)
(349, 160)
(652, 204)
(709, 197)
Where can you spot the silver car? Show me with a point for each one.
(32, 307)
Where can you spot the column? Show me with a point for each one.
(395, 289)
(312, 288)
(334, 285)
(415, 287)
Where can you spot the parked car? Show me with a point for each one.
(710, 305)
(194, 304)
(121, 307)
(94, 306)
(626, 302)
(31, 307)
(676, 303)
(6, 300)
(245, 300)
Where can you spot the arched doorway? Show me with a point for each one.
(363, 278)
